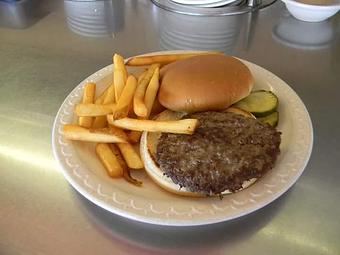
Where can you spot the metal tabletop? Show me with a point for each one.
(48, 47)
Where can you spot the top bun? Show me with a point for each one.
(205, 82)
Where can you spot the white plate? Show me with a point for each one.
(150, 203)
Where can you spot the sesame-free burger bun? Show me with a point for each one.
(205, 82)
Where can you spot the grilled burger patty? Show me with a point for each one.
(226, 150)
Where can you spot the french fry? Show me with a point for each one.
(131, 157)
(109, 160)
(121, 110)
(141, 76)
(134, 136)
(184, 126)
(88, 98)
(100, 99)
(100, 121)
(118, 155)
(119, 75)
(126, 171)
(121, 113)
(151, 91)
(138, 99)
(150, 96)
(100, 135)
(127, 94)
(110, 95)
(112, 131)
(94, 109)
(164, 59)
(119, 60)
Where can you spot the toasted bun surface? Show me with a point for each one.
(206, 82)
(148, 147)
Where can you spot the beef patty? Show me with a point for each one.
(225, 150)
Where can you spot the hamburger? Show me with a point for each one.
(229, 150)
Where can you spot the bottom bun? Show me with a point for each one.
(148, 147)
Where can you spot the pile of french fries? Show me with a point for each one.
(116, 119)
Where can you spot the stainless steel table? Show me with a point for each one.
(46, 50)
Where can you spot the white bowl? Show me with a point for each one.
(309, 12)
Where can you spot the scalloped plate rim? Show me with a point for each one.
(176, 222)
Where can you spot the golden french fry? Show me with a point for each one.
(100, 135)
(121, 110)
(164, 59)
(89, 93)
(126, 171)
(127, 94)
(150, 95)
(118, 155)
(121, 113)
(131, 157)
(151, 91)
(184, 126)
(134, 136)
(94, 109)
(132, 113)
(109, 160)
(110, 95)
(119, 85)
(141, 76)
(100, 121)
(119, 75)
(111, 130)
(88, 98)
(119, 61)
(138, 99)
(100, 99)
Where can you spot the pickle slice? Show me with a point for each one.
(271, 119)
(260, 103)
